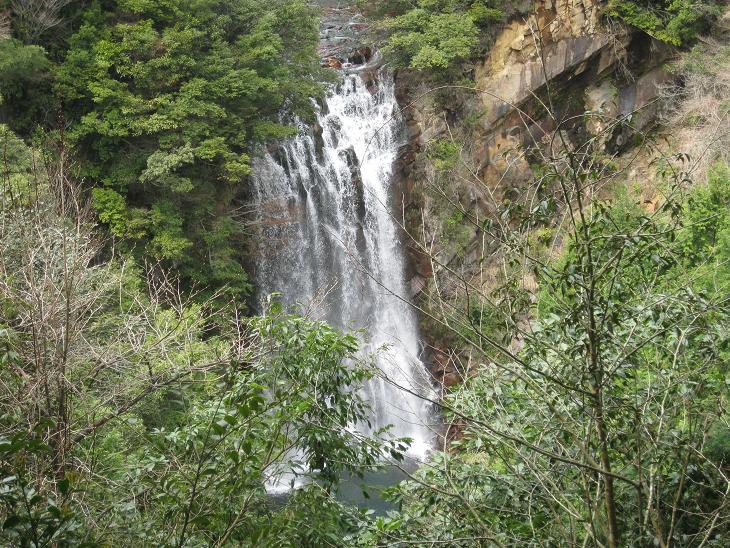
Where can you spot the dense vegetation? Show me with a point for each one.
(141, 405)
(162, 103)
(437, 35)
(610, 425)
(132, 414)
(138, 406)
(677, 22)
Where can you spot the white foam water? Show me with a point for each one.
(328, 236)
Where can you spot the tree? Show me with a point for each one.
(24, 79)
(286, 406)
(436, 37)
(592, 411)
(166, 101)
(83, 346)
(132, 412)
(677, 22)
(33, 18)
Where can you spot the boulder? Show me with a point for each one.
(332, 62)
(360, 56)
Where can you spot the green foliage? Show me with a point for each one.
(163, 103)
(24, 82)
(161, 421)
(20, 66)
(444, 154)
(626, 365)
(702, 62)
(201, 479)
(427, 42)
(17, 166)
(112, 210)
(677, 22)
(437, 35)
(31, 517)
(295, 388)
(708, 220)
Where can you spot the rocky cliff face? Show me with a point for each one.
(564, 55)
(542, 73)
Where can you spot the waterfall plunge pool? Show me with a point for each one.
(365, 493)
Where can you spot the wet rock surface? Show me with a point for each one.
(341, 36)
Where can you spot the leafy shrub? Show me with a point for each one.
(537, 424)
(677, 22)
(436, 35)
(24, 79)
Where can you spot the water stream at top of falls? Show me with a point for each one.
(330, 242)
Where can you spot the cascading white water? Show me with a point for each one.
(325, 204)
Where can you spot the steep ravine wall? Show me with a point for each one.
(562, 57)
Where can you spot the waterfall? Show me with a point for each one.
(330, 241)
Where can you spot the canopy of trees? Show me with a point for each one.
(162, 103)
(436, 36)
